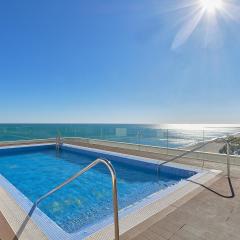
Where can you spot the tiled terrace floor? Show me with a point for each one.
(211, 215)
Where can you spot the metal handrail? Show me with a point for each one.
(206, 143)
(114, 189)
(59, 142)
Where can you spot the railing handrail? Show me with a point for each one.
(223, 138)
(59, 142)
(114, 189)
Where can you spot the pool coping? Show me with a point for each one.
(129, 217)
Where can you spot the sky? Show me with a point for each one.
(129, 61)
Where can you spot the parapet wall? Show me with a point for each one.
(212, 157)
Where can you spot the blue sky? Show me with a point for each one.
(118, 61)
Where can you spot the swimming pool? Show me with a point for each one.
(85, 205)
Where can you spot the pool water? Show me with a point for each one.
(88, 199)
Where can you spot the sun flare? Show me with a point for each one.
(211, 6)
(209, 13)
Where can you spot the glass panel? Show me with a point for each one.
(185, 138)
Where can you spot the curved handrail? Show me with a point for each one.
(206, 143)
(114, 189)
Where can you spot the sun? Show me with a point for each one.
(211, 6)
(210, 13)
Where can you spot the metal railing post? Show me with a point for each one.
(115, 206)
(228, 159)
(167, 141)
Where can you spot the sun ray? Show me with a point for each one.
(186, 31)
(199, 10)
(231, 11)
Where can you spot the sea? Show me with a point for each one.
(160, 135)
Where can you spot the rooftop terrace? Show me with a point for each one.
(210, 212)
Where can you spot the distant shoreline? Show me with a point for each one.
(212, 147)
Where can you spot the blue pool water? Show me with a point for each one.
(88, 199)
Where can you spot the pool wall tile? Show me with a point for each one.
(134, 162)
(21, 149)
